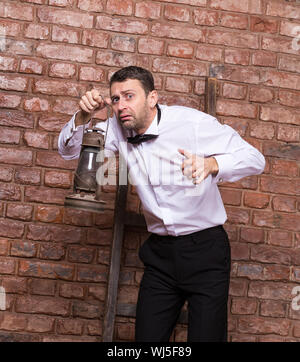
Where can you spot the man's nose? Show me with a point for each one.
(122, 104)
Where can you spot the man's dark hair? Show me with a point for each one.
(133, 72)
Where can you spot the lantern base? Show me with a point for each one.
(86, 202)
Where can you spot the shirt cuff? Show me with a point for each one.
(225, 163)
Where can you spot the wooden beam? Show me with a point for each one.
(211, 96)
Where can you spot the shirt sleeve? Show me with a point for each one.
(70, 138)
(236, 158)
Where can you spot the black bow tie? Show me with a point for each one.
(139, 138)
(145, 137)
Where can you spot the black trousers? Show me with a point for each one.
(193, 267)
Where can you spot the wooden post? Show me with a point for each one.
(210, 96)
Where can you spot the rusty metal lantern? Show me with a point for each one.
(87, 192)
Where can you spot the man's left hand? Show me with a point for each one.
(197, 167)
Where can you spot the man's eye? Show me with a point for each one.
(129, 96)
(115, 100)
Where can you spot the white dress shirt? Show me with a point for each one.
(172, 204)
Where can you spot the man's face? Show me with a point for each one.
(133, 109)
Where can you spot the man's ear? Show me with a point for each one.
(153, 98)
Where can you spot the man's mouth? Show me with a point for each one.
(125, 117)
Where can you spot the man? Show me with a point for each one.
(176, 157)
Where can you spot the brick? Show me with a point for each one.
(234, 39)
(236, 21)
(91, 74)
(175, 12)
(280, 238)
(13, 322)
(9, 82)
(36, 31)
(147, 10)
(261, 95)
(239, 251)
(234, 56)
(90, 5)
(288, 133)
(60, 179)
(78, 217)
(231, 197)
(31, 66)
(238, 287)
(65, 17)
(65, 106)
(179, 67)
(178, 32)
(252, 235)
(95, 38)
(43, 269)
(232, 108)
(99, 237)
(65, 35)
(120, 59)
(9, 136)
(7, 266)
(92, 274)
(234, 74)
(52, 251)
(36, 139)
(86, 310)
(40, 324)
(264, 58)
(62, 70)
(52, 123)
(262, 131)
(97, 292)
(74, 326)
(278, 44)
(287, 204)
(243, 306)
(263, 25)
(6, 173)
(270, 254)
(43, 305)
(42, 286)
(16, 156)
(55, 233)
(274, 78)
(45, 195)
(289, 98)
(25, 249)
(10, 28)
(49, 214)
(285, 168)
(121, 7)
(28, 176)
(17, 11)
(19, 212)
(208, 52)
(206, 17)
(236, 215)
(280, 185)
(19, 47)
(15, 285)
(64, 52)
(61, 3)
(52, 159)
(9, 101)
(279, 114)
(150, 46)
(127, 294)
(244, 6)
(271, 290)
(174, 84)
(80, 254)
(71, 291)
(8, 64)
(123, 43)
(54, 87)
(277, 272)
(287, 151)
(276, 220)
(121, 25)
(286, 62)
(260, 325)
(276, 8)
(10, 192)
(256, 200)
(180, 50)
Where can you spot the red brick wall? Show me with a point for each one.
(54, 261)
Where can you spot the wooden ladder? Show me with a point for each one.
(123, 218)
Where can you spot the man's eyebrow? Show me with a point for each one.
(123, 92)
